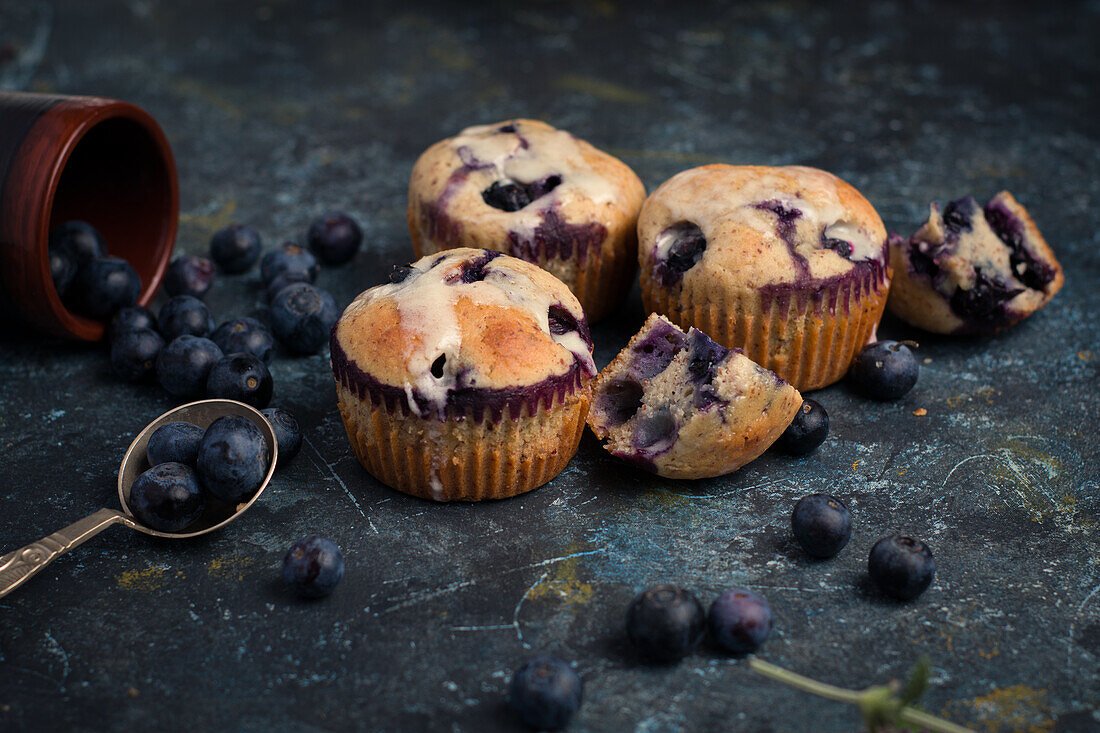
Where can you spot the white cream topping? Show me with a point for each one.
(426, 304)
(549, 152)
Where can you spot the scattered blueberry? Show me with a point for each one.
(184, 364)
(545, 693)
(167, 497)
(245, 335)
(821, 524)
(287, 433)
(665, 622)
(288, 258)
(62, 269)
(334, 238)
(174, 442)
(302, 317)
(885, 370)
(233, 459)
(901, 566)
(80, 239)
(134, 354)
(313, 566)
(241, 377)
(284, 279)
(102, 286)
(189, 275)
(130, 318)
(739, 621)
(235, 248)
(185, 315)
(807, 431)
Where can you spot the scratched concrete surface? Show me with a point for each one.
(278, 111)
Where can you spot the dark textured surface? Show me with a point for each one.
(277, 113)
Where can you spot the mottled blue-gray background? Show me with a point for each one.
(278, 111)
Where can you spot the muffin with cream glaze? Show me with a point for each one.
(466, 377)
(971, 269)
(788, 264)
(682, 406)
(537, 193)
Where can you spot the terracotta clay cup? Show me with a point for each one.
(99, 160)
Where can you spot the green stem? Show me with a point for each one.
(840, 694)
(779, 674)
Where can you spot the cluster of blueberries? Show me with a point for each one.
(227, 461)
(89, 281)
(189, 356)
(664, 623)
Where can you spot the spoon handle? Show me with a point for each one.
(18, 566)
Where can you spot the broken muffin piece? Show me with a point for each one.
(682, 406)
(971, 270)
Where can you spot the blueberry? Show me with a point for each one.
(235, 248)
(185, 315)
(885, 370)
(62, 269)
(982, 300)
(807, 430)
(686, 249)
(621, 399)
(167, 497)
(175, 442)
(288, 258)
(901, 566)
(134, 354)
(233, 459)
(241, 377)
(401, 273)
(334, 238)
(539, 189)
(245, 335)
(655, 433)
(283, 279)
(287, 433)
(545, 693)
(184, 364)
(821, 524)
(506, 196)
(655, 352)
(302, 317)
(739, 621)
(130, 318)
(313, 566)
(102, 286)
(189, 275)
(80, 239)
(664, 623)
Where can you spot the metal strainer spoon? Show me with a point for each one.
(18, 566)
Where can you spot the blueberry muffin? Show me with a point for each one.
(682, 406)
(788, 264)
(466, 377)
(537, 193)
(972, 270)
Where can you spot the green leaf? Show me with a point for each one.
(917, 683)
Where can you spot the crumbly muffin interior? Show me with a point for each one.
(680, 404)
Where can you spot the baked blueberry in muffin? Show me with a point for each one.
(788, 264)
(971, 269)
(535, 192)
(465, 377)
(683, 406)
